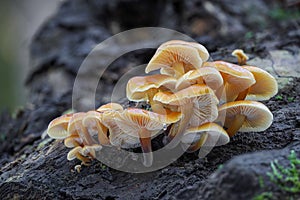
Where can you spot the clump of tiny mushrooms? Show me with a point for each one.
(204, 103)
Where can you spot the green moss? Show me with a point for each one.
(290, 99)
(278, 97)
(287, 179)
(284, 14)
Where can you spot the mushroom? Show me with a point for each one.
(58, 127)
(85, 154)
(97, 131)
(73, 141)
(143, 88)
(75, 126)
(264, 88)
(205, 137)
(241, 56)
(198, 105)
(180, 56)
(245, 116)
(236, 79)
(207, 75)
(142, 125)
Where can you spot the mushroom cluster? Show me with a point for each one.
(204, 103)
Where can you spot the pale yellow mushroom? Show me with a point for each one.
(205, 137)
(244, 116)
(58, 127)
(143, 88)
(236, 79)
(179, 56)
(241, 56)
(198, 105)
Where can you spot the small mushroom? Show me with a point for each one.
(205, 137)
(143, 88)
(73, 141)
(58, 127)
(241, 56)
(205, 75)
(85, 154)
(236, 79)
(98, 132)
(142, 125)
(180, 56)
(198, 105)
(264, 88)
(245, 116)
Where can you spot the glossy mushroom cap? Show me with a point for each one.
(58, 127)
(207, 75)
(206, 137)
(140, 88)
(97, 131)
(257, 116)
(236, 79)
(178, 56)
(265, 86)
(201, 98)
(110, 106)
(204, 55)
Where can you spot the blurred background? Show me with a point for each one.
(19, 20)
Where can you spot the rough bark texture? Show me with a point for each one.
(36, 168)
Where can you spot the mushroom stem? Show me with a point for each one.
(236, 124)
(242, 95)
(197, 145)
(179, 69)
(177, 129)
(145, 140)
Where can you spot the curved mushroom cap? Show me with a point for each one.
(257, 116)
(73, 141)
(240, 55)
(138, 87)
(204, 55)
(132, 120)
(98, 132)
(236, 78)
(265, 86)
(201, 96)
(110, 106)
(166, 56)
(58, 127)
(208, 75)
(217, 136)
(76, 127)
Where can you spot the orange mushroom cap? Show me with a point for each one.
(58, 127)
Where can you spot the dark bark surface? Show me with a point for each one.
(34, 167)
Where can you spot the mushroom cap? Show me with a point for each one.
(208, 75)
(165, 56)
(138, 87)
(200, 48)
(201, 96)
(124, 126)
(217, 136)
(92, 122)
(71, 140)
(72, 154)
(110, 106)
(58, 127)
(185, 95)
(236, 78)
(258, 116)
(265, 86)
